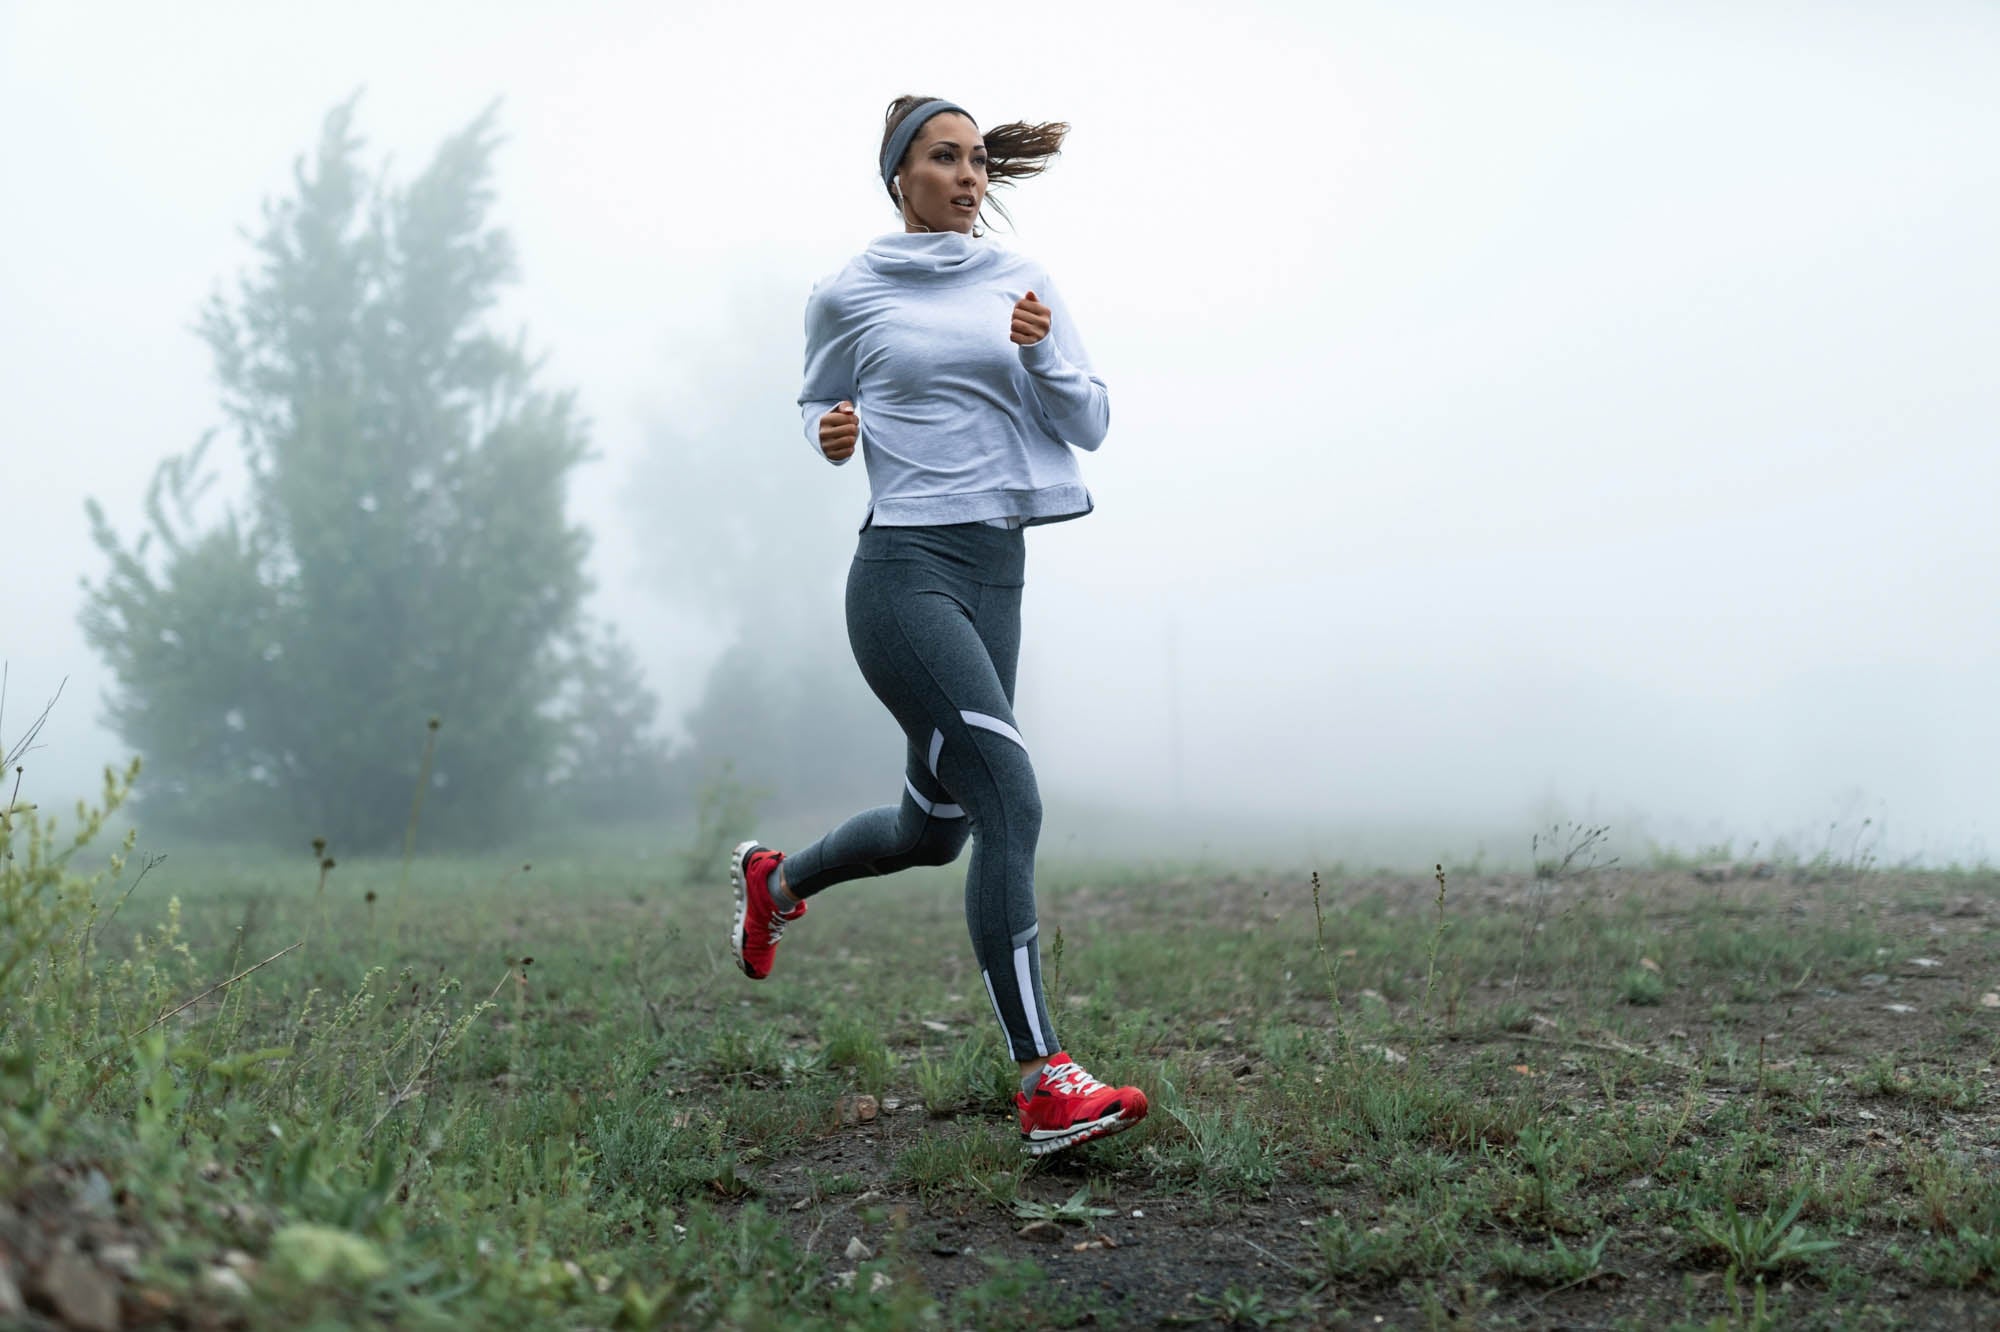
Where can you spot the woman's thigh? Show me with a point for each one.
(928, 656)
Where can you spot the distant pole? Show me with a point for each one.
(1174, 712)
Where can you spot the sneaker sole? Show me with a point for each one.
(1115, 1122)
(739, 883)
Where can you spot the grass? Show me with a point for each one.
(442, 1092)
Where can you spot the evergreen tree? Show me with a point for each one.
(612, 764)
(401, 552)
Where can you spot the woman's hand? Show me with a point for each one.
(1031, 321)
(839, 430)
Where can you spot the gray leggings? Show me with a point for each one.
(934, 618)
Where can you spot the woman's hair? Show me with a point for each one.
(1013, 151)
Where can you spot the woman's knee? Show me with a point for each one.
(1021, 794)
(995, 783)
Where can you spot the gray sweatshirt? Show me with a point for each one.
(958, 423)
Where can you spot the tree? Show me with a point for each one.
(402, 551)
(613, 764)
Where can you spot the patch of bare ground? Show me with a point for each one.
(1857, 1070)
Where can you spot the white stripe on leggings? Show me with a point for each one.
(937, 747)
(1026, 981)
(930, 807)
(993, 724)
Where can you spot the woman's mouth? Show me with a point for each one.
(965, 201)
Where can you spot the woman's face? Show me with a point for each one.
(944, 175)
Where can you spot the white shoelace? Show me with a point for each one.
(1070, 1080)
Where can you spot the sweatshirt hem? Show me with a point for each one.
(1051, 504)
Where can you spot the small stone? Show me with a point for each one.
(1048, 1232)
(860, 1108)
(891, 1103)
(930, 1025)
(1925, 962)
(1989, 1000)
(242, 1214)
(1874, 978)
(1648, 964)
(858, 1252)
(1869, 1114)
(222, 1281)
(1899, 1008)
(95, 1196)
(1095, 1242)
(83, 1297)
(120, 1258)
(1388, 1056)
(879, 1282)
(1138, 1211)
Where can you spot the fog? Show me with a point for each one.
(1518, 412)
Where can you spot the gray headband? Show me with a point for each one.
(899, 142)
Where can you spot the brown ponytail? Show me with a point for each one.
(1014, 151)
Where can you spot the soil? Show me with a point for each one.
(1168, 1259)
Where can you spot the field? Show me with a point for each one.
(523, 1095)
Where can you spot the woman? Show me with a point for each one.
(956, 365)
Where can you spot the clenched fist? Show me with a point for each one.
(839, 430)
(1031, 321)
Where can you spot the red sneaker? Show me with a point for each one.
(754, 937)
(1069, 1106)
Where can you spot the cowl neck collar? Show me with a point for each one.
(925, 256)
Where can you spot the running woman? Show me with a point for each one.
(953, 364)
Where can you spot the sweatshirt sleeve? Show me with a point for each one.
(829, 375)
(1073, 399)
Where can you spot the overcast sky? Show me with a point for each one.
(1515, 409)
